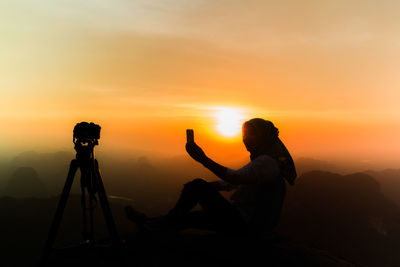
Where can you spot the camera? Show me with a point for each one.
(85, 131)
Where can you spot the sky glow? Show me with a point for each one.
(323, 71)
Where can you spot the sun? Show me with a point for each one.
(229, 122)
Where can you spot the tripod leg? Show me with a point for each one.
(91, 208)
(60, 210)
(105, 205)
(84, 210)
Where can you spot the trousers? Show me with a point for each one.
(217, 214)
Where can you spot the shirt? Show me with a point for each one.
(259, 203)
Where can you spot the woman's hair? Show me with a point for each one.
(272, 146)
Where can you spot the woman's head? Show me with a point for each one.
(261, 138)
(259, 135)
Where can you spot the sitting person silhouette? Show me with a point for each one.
(255, 206)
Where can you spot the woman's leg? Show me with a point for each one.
(217, 214)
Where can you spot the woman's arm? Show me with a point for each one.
(198, 154)
(244, 175)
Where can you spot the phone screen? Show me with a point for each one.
(189, 136)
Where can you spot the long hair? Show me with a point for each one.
(272, 146)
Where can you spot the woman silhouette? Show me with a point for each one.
(260, 188)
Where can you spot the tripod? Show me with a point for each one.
(92, 183)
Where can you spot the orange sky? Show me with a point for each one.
(325, 72)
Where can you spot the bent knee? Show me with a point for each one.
(196, 183)
(199, 181)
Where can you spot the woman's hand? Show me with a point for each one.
(196, 152)
(198, 155)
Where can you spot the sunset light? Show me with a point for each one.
(147, 70)
(229, 122)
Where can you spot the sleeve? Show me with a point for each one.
(262, 170)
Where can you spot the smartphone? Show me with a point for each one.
(189, 136)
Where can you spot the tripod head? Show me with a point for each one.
(86, 136)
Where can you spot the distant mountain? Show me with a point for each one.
(309, 164)
(345, 214)
(389, 180)
(25, 182)
(51, 167)
(341, 166)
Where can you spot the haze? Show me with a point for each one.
(325, 72)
